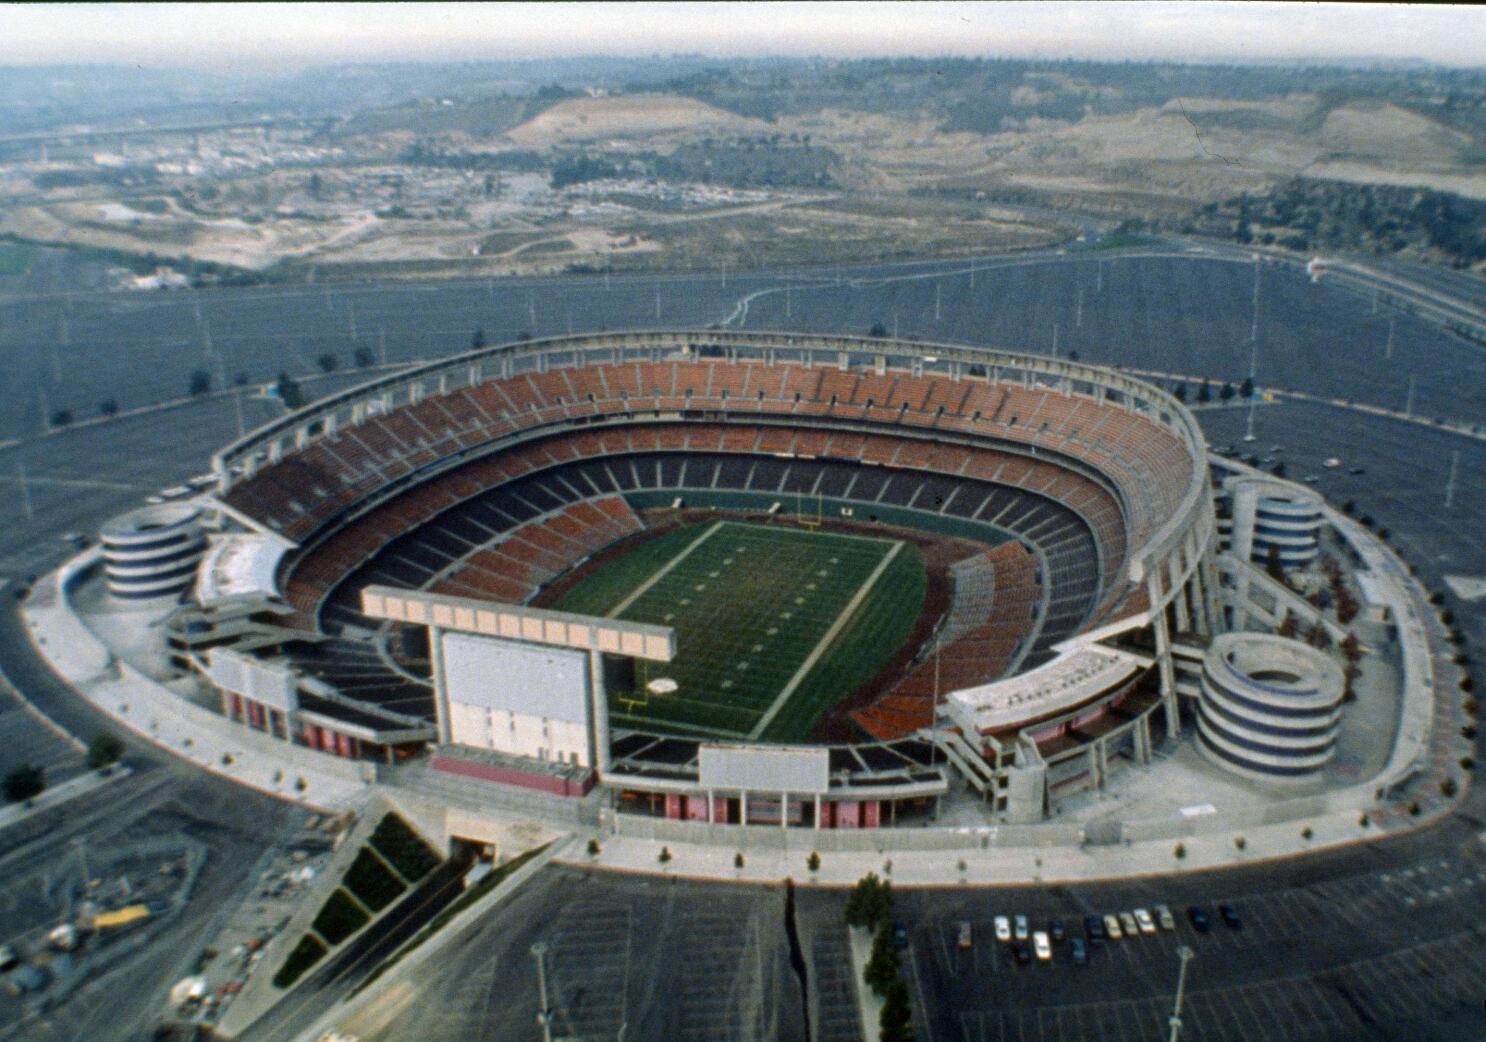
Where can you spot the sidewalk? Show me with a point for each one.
(976, 866)
(59, 794)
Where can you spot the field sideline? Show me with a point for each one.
(774, 623)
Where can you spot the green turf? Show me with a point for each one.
(750, 604)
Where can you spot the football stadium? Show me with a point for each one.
(726, 576)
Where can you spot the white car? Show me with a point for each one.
(1144, 921)
(1127, 923)
(1003, 928)
(1112, 927)
(1022, 930)
(1042, 946)
(1165, 918)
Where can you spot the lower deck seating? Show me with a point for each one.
(978, 654)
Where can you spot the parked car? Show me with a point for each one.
(1200, 921)
(1112, 926)
(1165, 918)
(1055, 931)
(1094, 927)
(1043, 946)
(1128, 924)
(1022, 930)
(1003, 928)
(1230, 916)
(1021, 953)
(965, 940)
(1144, 921)
(1080, 952)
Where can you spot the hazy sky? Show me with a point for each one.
(194, 34)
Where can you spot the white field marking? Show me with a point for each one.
(825, 641)
(665, 570)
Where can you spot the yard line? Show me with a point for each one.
(665, 570)
(825, 641)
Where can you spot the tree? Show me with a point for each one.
(478, 340)
(363, 357)
(1289, 625)
(1273, 566)
(870, 902)
(105, 749)
(878, 330)
(200, 382)
(884, 962)
(1226, 393)
(327, 361)
(25, 782)
(108, 407)
(1205, 392)
(593, 848)
(896, 1019)
(665, 854)
(813, 861)
(288, 391)
(1246, 389)
(1179, 392)
(60, 418)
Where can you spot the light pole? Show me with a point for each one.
(544, 1014)
(1185, 954)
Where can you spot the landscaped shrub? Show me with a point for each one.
(306, 953)
(339, 918)
(403, 848)
(372, 882)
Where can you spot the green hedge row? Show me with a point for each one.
(372, 881)
(403, 848)
(339, 918)
(306, 953)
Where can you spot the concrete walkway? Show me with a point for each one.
(62, 793)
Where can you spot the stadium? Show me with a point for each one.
(726, 576)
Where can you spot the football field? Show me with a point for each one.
(774, 623)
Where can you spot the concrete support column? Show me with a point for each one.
(817, 811)
(1163, 652)
(440, 684)
(1096, 778)
(598, 712)
(1143, 740)
(743, 807)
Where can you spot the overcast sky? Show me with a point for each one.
(256, 34)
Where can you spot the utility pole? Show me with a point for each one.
(1450, 484)
(1408, 409)
(1249, 434)
(1254, 326)
(657, 302)
(936, 302)
(531, 313)
(46, 412)
(382, 344)
(1079, 312)
(786, 302)
(544, 1012)
(20, 470)
(1388, 351)
(1185, 954)
(1055, 340)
